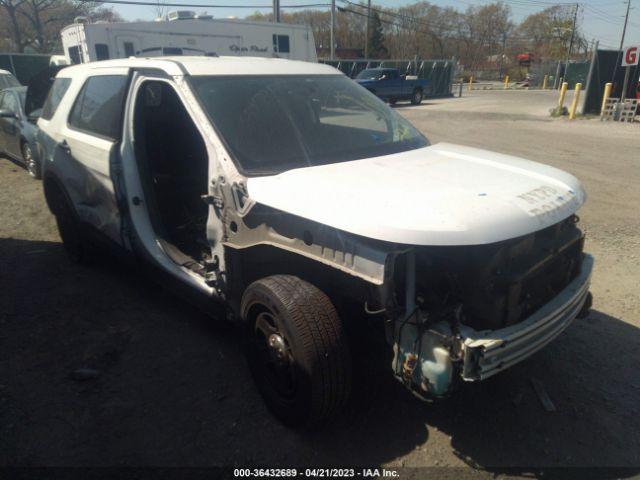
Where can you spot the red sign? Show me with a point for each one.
(630, 56)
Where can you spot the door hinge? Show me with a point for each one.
(216, 200)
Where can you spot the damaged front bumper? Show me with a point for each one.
(487, 353)
(429, 357)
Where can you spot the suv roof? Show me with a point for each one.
(209, 66)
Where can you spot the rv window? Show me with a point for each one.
(74, 55)
(57, 91)
(102, 51)
(171, 51)
(129, 51)
(281, 43)
(98, 108)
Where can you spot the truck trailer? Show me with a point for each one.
(185, 33)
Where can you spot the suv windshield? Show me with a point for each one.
(271, 124)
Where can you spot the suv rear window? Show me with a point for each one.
(57, 91)
(99, 106)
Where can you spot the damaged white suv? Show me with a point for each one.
(302, 203)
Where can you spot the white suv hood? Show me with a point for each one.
(443, 194)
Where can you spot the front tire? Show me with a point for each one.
(33, 167)
(297, 350)
(416, 97)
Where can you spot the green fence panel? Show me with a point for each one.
(5, 63)
(576, 72)
(24, 66)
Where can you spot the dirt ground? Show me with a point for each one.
(174, 389)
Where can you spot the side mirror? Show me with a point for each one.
(4, 113)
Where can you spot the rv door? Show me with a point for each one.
(127, 46)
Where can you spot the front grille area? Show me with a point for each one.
(503, 283)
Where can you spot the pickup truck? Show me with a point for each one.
(388, 84)
(312, 214)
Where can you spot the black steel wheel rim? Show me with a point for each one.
(275, 355)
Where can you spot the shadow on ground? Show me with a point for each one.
(173, 388)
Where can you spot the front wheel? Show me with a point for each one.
(416, 97)
(30, 161)
(297, 350)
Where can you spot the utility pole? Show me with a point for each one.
(573, 34)
(366, 35)
(333, 28)
(276, 11)
(624, 29)
(627, 69)
(573, 31)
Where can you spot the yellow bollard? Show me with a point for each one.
(574, 103)
(563, 92)
(545, 80)
(605, 96)
(560, 82)
(506, 82)
(470, 87)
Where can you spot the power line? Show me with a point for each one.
(201, 5)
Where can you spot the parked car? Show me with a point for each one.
(18, 130)
(298, 201)
(388, 84)
(7, 80)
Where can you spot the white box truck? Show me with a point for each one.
(185, 33)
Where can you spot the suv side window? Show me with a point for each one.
(99, 106)
(57, 91)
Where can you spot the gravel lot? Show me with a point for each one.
(174, 389)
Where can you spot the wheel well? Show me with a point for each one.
(253, 263)
(54, 194)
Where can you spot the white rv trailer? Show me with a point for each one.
(186, 34)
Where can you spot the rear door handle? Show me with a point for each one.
(64, 146)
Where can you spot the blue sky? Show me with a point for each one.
(601, 19)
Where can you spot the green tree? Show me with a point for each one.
(376, 46)
(550, 32)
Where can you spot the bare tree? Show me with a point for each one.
(10, 10)
(36, 24)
